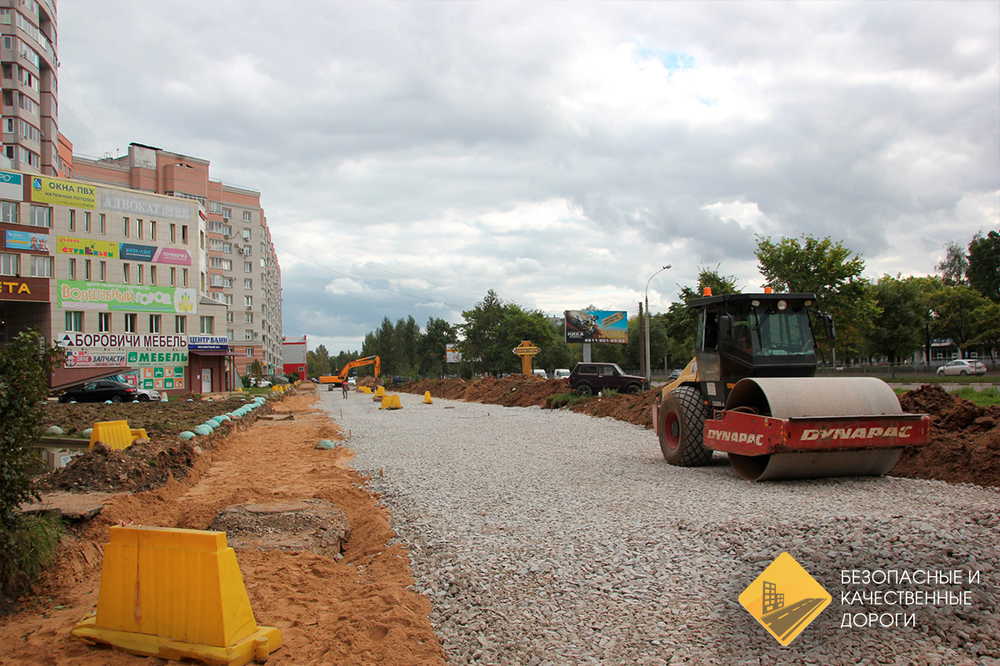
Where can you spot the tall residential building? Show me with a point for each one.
(241, 267)
(29, 82)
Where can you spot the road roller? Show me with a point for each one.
(751, 392)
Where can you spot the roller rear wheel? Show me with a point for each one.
(681, 428)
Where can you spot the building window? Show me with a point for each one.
(74, 321)
(227, 299)
(72, 220)
(131, 322)
(227, 213)
(249, 351)
(247, 283)
(104, 271)
(86, 222)
(154, 323)
(41, 267)
(248, 334)
(72, 268)
(184, 234)
(10, 264)
(230, 333)
(138, 270)
(248, 301)
(40, 217)
(125, 273)
(248, 266)
(173, 276)
(184, 277)
(103, 322)
(125, 225)
(86, 270)
(246, 216)
(102, 224)
(152, 230)
(9, 212)
(249, 317)
(180, 324)
(152, 275)
(208, 325)
(173, 232)
(138, 228)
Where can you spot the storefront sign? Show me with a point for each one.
(24, 289)
(159, 377)
(208, 342)
(129, 341)
(142, 359)
(84, 358)
(154, 209)
(86, 247)
(26, 240)
(63, 192)
(11, 185)
(158, 255)
(109, 297)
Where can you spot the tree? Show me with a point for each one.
(954, 266)
(983, 271)
(832, 272)
(986, 328)
(318, 362)
(898, 329)
(481, 332)
(432, 346)
(679, 321)
(953, 317)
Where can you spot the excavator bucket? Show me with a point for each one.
(794, 428)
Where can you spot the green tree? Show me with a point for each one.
(679, 321)
(983, 271)
(481, 331)
(986, 329)
(318, 362)
(898, 329)
(832, 272)
(26, 542)
(407, 340)
(437, 338)
(953, 319)
(954, 266)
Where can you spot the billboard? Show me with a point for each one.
(110, 350)
(109, 297)
(86, 247)
(11, 185)
(63, 192)
(26, 240)
(127, 251)
(597, 326)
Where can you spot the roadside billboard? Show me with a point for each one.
(597, 326)
(110, 297)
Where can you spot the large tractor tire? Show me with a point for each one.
(681, 428)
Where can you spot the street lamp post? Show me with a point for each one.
(649, 373)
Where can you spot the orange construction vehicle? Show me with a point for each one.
(341, 377)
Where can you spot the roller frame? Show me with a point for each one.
(755, 435)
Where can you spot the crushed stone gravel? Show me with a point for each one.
(549, 537)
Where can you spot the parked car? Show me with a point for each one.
(962, 367)
(538, 372)
(147, 395)
(352, 381)
(589, 378)
(674, 374)
(260, 383)
(399, 379)
(561, 373)
(101, 391)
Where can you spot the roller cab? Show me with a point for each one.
(751, 392)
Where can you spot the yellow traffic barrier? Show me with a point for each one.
(365, 389)
(379, 393)
(175, 594)
(115, 434)
(427, 398)
(391, 402)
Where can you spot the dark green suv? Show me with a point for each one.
(590, 378)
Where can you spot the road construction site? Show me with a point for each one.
(541, 536)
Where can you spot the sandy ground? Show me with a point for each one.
(356, 610)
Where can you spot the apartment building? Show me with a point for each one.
(28, 79)
(241, 270)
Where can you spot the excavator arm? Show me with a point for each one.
(341, 376)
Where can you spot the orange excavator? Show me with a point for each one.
(341, 377)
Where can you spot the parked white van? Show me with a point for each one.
(538, 372)
(561, 373)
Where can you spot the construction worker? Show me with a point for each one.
(344, 385)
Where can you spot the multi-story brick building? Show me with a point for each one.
(28, 78)
(241, 269)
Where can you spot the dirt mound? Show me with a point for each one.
(636, 409)
(516, 391)
(964, 442)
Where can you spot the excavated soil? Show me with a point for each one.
(354, 608)
(964, 446)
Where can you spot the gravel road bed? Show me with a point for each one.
(548, 537)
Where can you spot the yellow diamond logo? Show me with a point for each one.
(785, 599)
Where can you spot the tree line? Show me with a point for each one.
(890, 318)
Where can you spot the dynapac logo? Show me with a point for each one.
(738, 437)
(892, 432)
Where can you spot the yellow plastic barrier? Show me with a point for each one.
(175, 594)
(391, 402)
(427, 398)
(379, 393)
(365, 389)
(115, 434)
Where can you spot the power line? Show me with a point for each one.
(64, 71)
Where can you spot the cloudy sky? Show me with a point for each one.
(412, 155)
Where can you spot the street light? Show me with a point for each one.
(649, 374)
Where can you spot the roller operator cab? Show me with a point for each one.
(751, 392)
